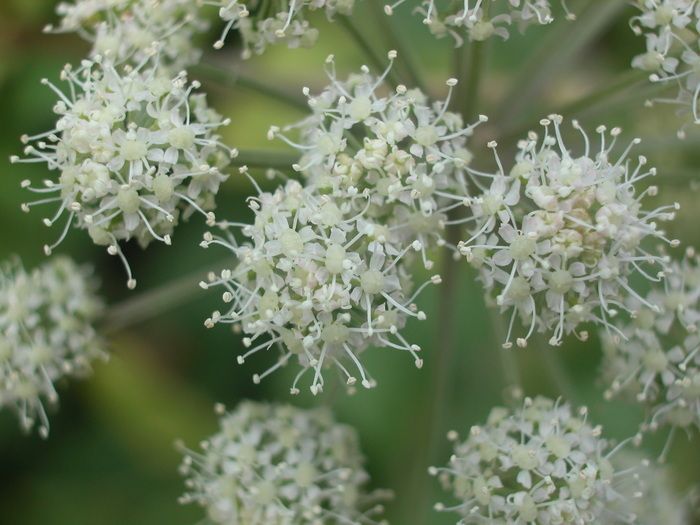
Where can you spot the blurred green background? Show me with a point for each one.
(110, 459)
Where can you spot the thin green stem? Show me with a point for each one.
(378, 61)
(153, 303)
(230, 79)
(513, 389)
(396, 41)
(551, 357)
(596, 99)
(266, 159)
(561, 46)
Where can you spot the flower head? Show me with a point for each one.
(558, 239)
(317, 279)
(655, 358)
(660, 503)
(479, 20)
(282, 22)
(408, 154)
(133, 153)
(129, 31)
(46, 334)
(283, 465)
(672, 55)
(541, 464)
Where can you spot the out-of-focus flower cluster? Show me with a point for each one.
(134, 151)
(134, 31)
(283, 465)
(47, 333)
(320, 280)
(559, 237)
(655, 358)
(542, 464)
(478, 20)
(261, 23)
(671, 30)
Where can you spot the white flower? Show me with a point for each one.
(133, 152)
(409, 154)
(319, 280)
(541, 464)
(559, 238)
(655, 359)
(671, 29)
(479, 20)
(273, 23)
(130, 30)
(46, 334)
(283, 465)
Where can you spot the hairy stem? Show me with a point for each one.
(230, 79)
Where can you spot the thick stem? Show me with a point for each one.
(448, 324)
(230, 79)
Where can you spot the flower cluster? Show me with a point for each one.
(318, 279)
(558, 239)
(670, 28)
(655, 358)
(660, 504)
(132, 31)
(479, 20)
(283, 465)
(542, 464)
(46, 334)
(133, 152)
(407, 153)
(262, 23)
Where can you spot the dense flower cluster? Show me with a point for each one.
(46, 334)
(134, 151)
(559, 237)
(318, 279)
(130, 31)
(408, 154)
(479, 20)
(283, 465)
(655, 359)
(261, 23)
(542, 464)
(671, 30)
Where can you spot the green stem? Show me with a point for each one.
(448, 323)
(237, 79)
(398, 42)
(513, 389)
(562, 44)
(469, 60)
(601, 97)
(153, 303)
(551, 356)
(378, 62)
(266, 159)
